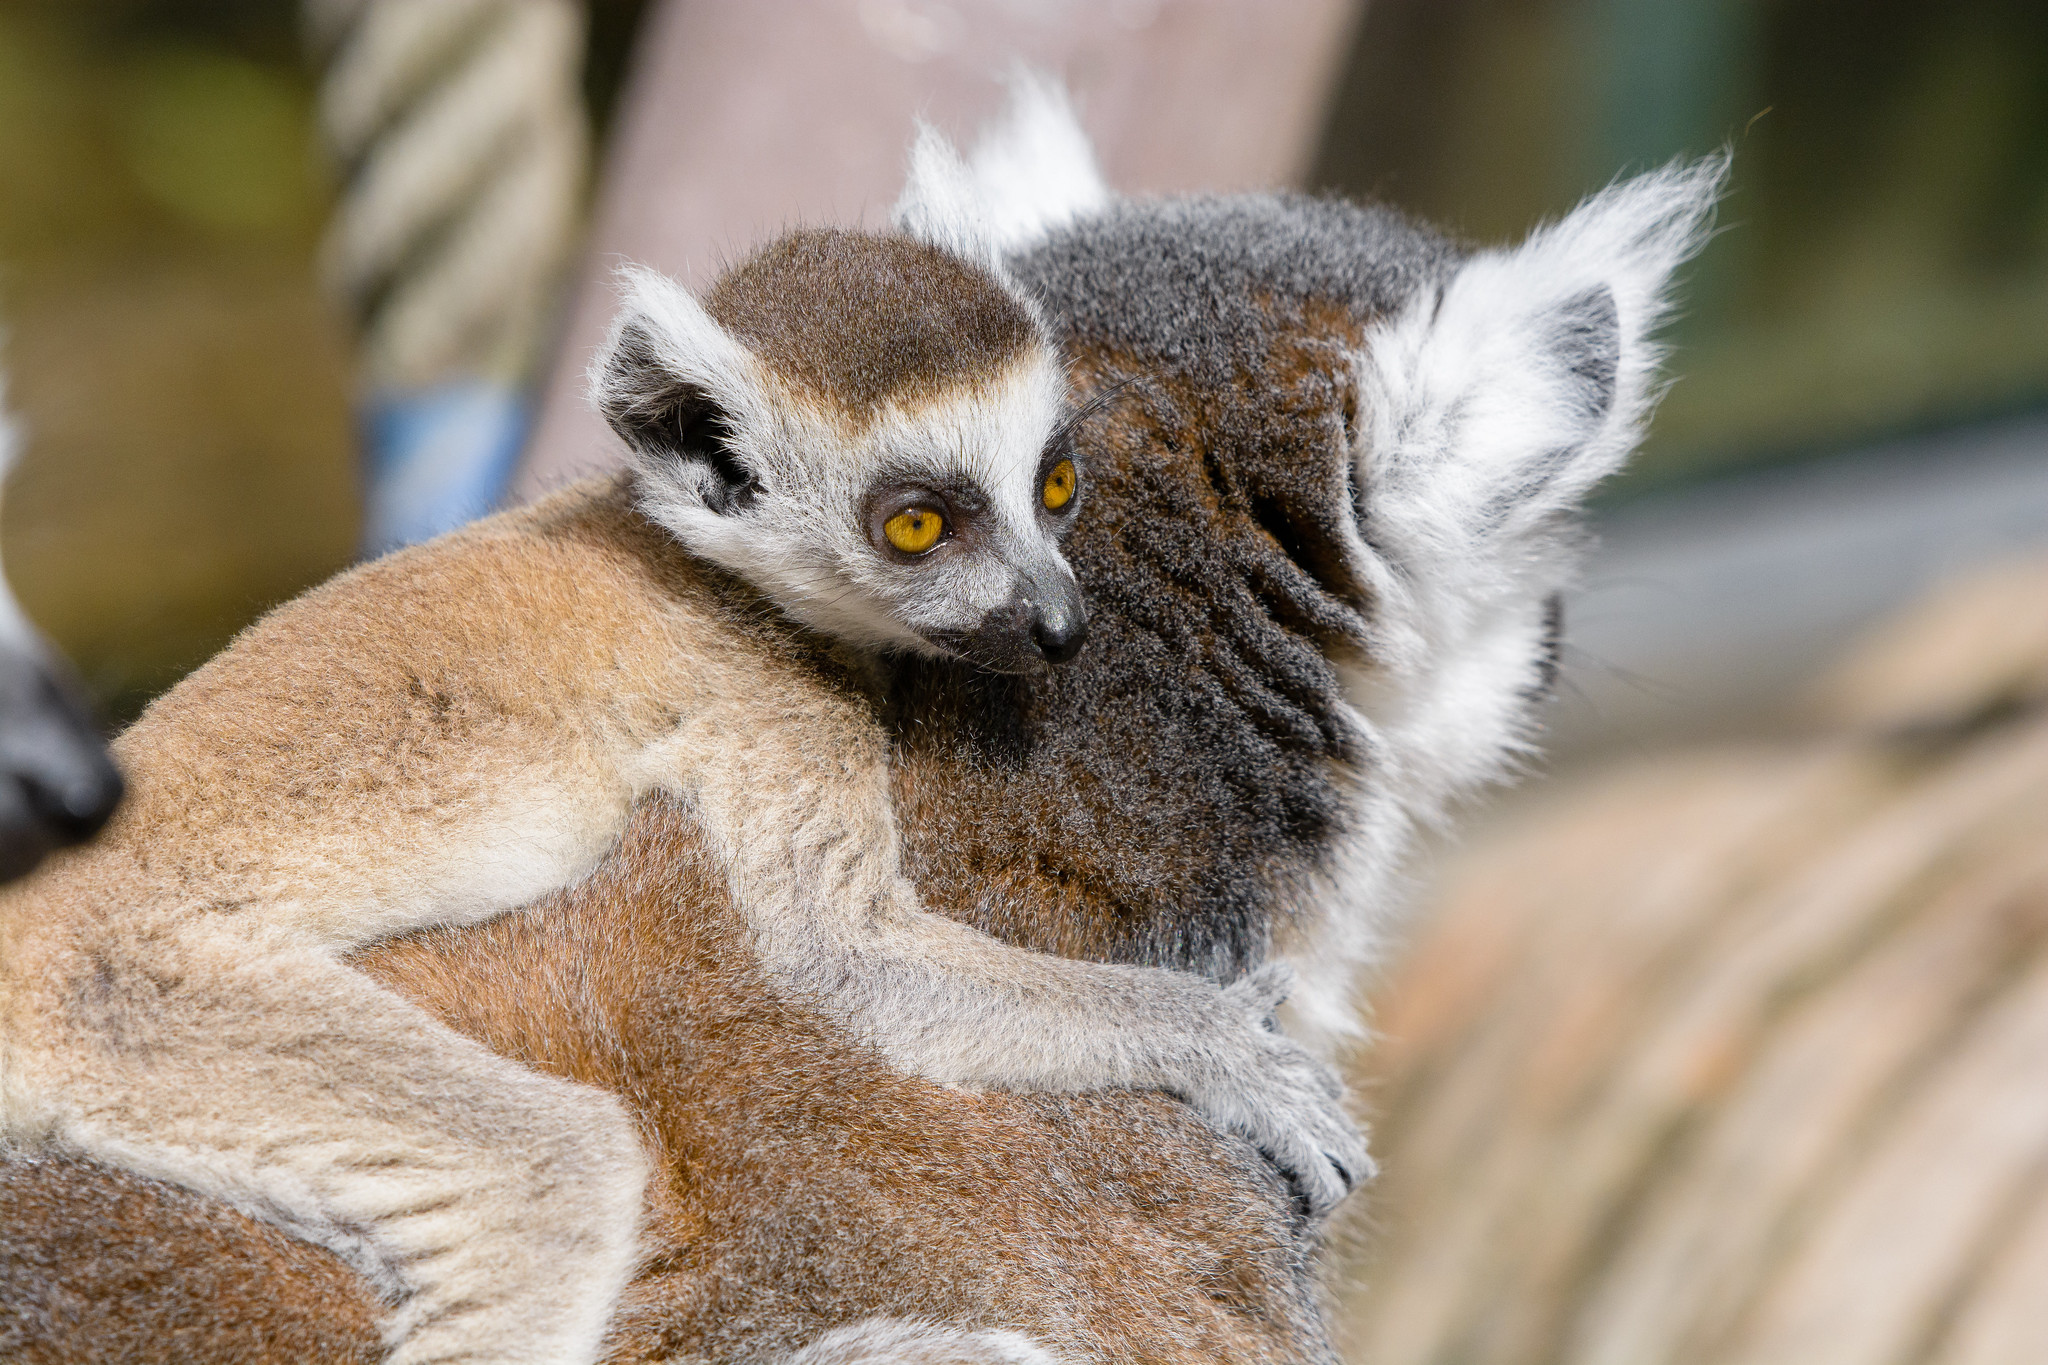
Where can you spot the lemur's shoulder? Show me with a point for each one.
(533, 604)
(524, 652)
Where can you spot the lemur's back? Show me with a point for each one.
(391, 700)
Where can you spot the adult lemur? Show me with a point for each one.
(1332, 474)
(861, 439)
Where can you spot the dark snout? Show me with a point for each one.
(1056, 617)
(58, 784)
(1045, 622)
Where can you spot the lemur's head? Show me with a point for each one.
(1345, 417)
(1350, 430)
(1336, 466)
(871, 429)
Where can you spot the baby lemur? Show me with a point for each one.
(854, 444)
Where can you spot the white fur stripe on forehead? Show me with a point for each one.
(1032, 171)
(1495, 403)
(684, 344)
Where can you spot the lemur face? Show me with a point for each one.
(870, 431)
(964, 502)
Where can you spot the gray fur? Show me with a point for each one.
(1353, 457)
(1211, 718)
(1180, 281)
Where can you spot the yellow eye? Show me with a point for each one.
(914, 530)
(1059, 485)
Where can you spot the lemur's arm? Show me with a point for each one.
(814, 863)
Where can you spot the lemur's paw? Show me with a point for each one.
(1285, 1101)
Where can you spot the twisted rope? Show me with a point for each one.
(461, 130)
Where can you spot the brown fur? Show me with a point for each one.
(763, 1116)
(857, 319)
(1043, 852)
(1163, 1242)
(803, 1183)
(800, 1184)
(100, 1265)
(169, 996)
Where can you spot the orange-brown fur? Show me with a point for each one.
(98, 1265)
(802, 1183)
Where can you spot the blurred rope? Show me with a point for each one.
(461, 130)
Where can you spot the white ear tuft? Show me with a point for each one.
(1499, 401)
(1034, 167)
(662, 346)
(942, 204)
(1032, 171)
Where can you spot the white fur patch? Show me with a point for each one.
(1032, 171)
(15, 631)
(901, 1341)
(689, 344)
(1481, 429)
(942, 204)
(1491, 408)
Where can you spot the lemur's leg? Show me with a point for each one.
(813, 859)
(497, 1206)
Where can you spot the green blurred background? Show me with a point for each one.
(184, 390)
(1883, 263)
(180, 387)
(181, 384)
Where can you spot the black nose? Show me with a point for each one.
(1059, 636)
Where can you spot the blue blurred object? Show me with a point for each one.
(438, 458)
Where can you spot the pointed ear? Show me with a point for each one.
(942, 203)
(671, 382)
(1032, 171)
(1497, 401)
(1034, 166)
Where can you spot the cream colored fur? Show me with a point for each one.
(894, 1341)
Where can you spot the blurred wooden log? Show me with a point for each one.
(1742, 1055)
